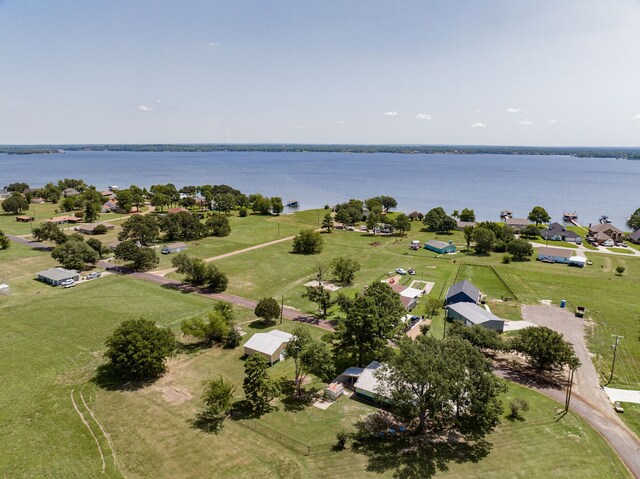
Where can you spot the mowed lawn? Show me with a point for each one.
(163, 443)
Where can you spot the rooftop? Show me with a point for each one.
(463, 286)
(268, 343)
(58, 274)
(474, 313)
(561, 252)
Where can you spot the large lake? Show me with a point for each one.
(488, 183)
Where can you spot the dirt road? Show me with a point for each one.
(589, 399)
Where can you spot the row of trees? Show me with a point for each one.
(183, 225)
(490, 236)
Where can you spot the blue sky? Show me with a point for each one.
(435, 72)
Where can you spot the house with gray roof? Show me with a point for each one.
(462, 292)
(55, 276)
(604, 232)
(557, 232)
(473, 315)
(517, 223)
(634, 237)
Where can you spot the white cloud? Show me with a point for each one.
(423, 116)
(525, 122)
(513, 110)
(340, 122)
(298, 127)
(390, 113)
(478, 125)
(553, 122)
(213, 44)
(144, 108)
(636, 117)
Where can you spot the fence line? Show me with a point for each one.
(287, 441)
(515, 296)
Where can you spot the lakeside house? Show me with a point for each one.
(557, 232)
(549, 254)
(440, 247)
(473, 315)
(517, 223)
(462, 292)
(55, 276)
(634, 237)
(90, 228)
(602, 233)
(269, 345)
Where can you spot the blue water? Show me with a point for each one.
(488, 183)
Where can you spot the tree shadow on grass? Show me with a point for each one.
(207, 423)
(527, 376)
(107, 378)
(416, 457)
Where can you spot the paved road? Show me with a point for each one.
(599, 250)
(588, 399)
(30, 244)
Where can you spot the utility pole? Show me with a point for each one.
(568, 397)
(281, 308)
(615, 348)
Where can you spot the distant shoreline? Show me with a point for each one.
(627, 153)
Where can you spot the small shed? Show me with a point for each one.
(24, 218)
(440, 247)
(55, 276)
(474, 315)
(367, 387)
(333, 391)
(174, 248)
(270, 345)
(462, 292)
(579, 261)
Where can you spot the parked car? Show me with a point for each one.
(618, 407)
(608, 243)
(411, 271)
(67, 282)
(401, 271)
(350, 228)
(363, 228)
(69, 285)
(94, 275)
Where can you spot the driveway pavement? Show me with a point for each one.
(589, 399)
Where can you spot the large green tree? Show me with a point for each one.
(344, 269)
(218, 225)
(437, 219)
(4, 241)
(15, 204)
(141, 258)
(402, 223)
(138, 349)
(445, 386)
(217, 399)
(142, 228)
(75, 254)
(200, 273)
(319, 295)
(182, 226)
(327, 223)
(634, 220)
(539, 215)
(49, 232)
(211, 328)
(371, 320)
(268, 309)
(309, 356)
(484, 240)
(545, 348)
(520, 249)
(307, 242)
(259, 388)
(467, 215)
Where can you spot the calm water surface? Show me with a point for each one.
(488, 183)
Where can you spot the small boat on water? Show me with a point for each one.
(569, 216)
(506, 214)
(292, 204)
(605, 220)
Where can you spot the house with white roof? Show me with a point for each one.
(270, 345)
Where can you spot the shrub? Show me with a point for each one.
(620, 270)
(500, 247)
(516, 406)
(341, 440)
(242, 212)
(506, 259)
(307, 242)
(100, 230)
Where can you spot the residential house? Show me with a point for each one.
(70, 192)
(55, 276)
(109, 206)
(462, 292)
(554, 255)
(408, 296)
(269, 345)
(368, 387)
(517, 223)
(89, 228)
(463, 224)
(605, 232)
(440, 247)
(557, 232)
(38, 201)
(473, 315)
(24, 218)
(634, 237)
(63, 219)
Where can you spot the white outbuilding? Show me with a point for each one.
(270, 345)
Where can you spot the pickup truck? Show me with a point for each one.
(580, 310)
